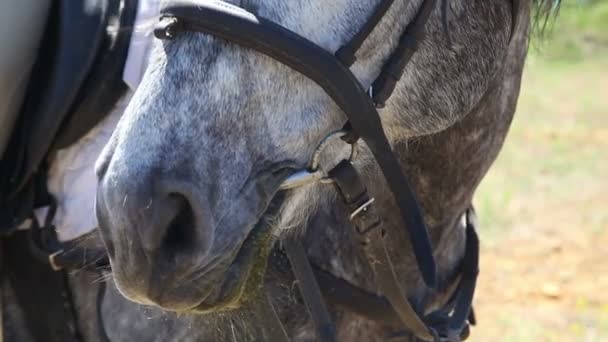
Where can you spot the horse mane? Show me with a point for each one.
(543, 12)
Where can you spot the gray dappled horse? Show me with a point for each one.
(180, 187)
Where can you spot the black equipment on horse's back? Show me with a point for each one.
(75, 82)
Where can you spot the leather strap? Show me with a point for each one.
(310, 290)
(384, 86)
(347, 52)
(449, 320)
(442, 325)
(468, 279)
(269, 319)
(372, 236)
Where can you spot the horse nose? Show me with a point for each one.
(159, 224)
(172, 226)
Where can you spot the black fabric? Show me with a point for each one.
(243, 28)
(72, 39)
(104, 84)
(15, 209)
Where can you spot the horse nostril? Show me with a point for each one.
(181, 232)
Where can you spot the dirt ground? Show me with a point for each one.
(545, 286)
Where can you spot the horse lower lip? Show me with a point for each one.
(185, 308)
(239, 272)
(235, 277)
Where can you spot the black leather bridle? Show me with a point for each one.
(332, 73)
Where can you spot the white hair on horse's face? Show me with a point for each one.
(212, 116)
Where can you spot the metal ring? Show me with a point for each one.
(313, 174)
(316, 157)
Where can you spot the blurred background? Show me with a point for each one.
(544, 204)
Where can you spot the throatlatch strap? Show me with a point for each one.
(347, 52)
(269, 319)
(392, 71)
(310, 290)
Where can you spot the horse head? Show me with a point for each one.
(189, 199)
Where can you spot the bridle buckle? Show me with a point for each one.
(362, 208)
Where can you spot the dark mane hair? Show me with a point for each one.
(543, 11)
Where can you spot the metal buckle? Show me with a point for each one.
(371, 94)
(362, 208)
(167, 28)
(53, 260)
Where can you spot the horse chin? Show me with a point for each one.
(243, 278)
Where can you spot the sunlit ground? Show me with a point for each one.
(544, 204)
